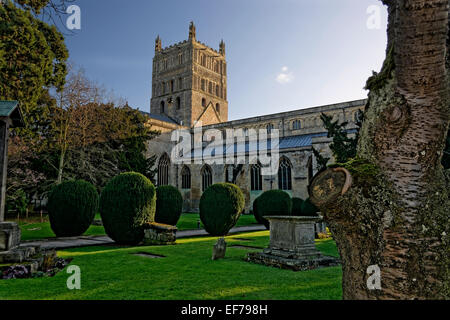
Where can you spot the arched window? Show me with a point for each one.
(217, 90)
(203, 102)
(296, 125)
(180, 58)
(206, 177)
(210, 90)
(162, 107)
(256, 177)
(171, 85)
(285, 175)
(178, 103)
(180, 83)
(163, 170)
(218, 108)
(185, 178)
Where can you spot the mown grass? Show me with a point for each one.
(33, 229)
(186, 272)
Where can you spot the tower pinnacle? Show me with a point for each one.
(192, 32)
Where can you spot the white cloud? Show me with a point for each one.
(285, 76)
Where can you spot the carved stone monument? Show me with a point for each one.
(292, 245)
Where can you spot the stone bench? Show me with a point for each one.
(159, 234)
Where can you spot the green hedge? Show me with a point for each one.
(72, 206)
(169, 205)
(273, 203)
(297, 206)
(127, 203)
(220, 208)
(308, 209)
(258, 217)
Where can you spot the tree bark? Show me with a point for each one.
(395, 214)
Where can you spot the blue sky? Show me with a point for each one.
(282, 54)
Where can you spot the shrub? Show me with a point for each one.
(274, 203)
(220, 208)
(72, 206)
(255, 212)
(296, 206)
(308, 209)
(127, 203)
(169, 205)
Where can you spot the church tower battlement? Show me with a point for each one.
(189, 82)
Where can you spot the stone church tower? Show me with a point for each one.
(189, 82)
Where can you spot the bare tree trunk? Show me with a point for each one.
(395, 215)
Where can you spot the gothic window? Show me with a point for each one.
(162, 107)
(163, 170)
(296, 125)
(217, 90)
(178, 103)
(206, 177)
(180, 58)
(180, 83)
(218, 108)
(269, 128)
(204, 60)
(185, 178)
(203, 102)
(210, 90)
(171, 85)
(285, 175)
(256, 177)
(163, 88)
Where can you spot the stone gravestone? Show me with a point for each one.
(219, 249)
(292, 245)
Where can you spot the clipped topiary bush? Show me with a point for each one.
(220, 208)
(308, 209)
(72, 206)
(274, 203)
(127, 203)
(169, 205)
(297, 206)
(258, 218)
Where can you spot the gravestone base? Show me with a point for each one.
(9, 236)
(159, 234)
(292, 245)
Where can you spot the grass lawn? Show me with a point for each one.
(33, 229)
(186, 272)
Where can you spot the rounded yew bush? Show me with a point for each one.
(297, 206)
(221, 206)
(169, 205)
(308, 209)
(274, 203)
(127, 203)
(258, 217)
(72, 206)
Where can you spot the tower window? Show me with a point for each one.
(210, 90)
(203, 102)
(296, 125)
(163, 88)
(180, 83)
(203, 85)
(171, 85)
(180, 58)
(162, 107)
(178, 103)
(217, 90)
(285, 175)
(185, 178)
(218, 107)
